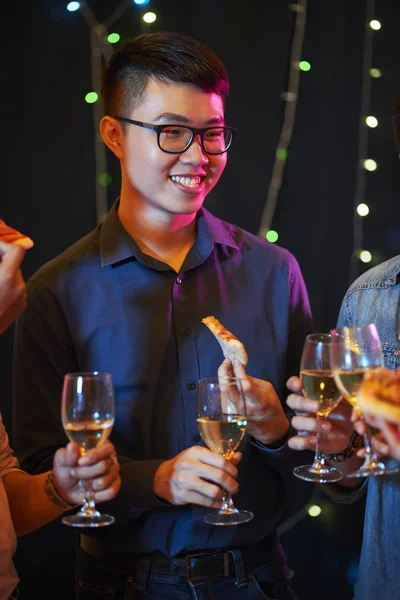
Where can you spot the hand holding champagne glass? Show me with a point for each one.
(87, 409)
(221, 417)
(355, 350)
(318, 384)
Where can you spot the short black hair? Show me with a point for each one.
(162, 56)
(396, 122)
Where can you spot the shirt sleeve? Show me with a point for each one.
(43, 353)
(8, 462)
(300, 321)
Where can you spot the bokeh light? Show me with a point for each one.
(375, 73)
(149, 17)
(281, 153)
(370, 164)
(314, 510)
(272, 236)
(91, 97)
(365, 256)
(304, 65)
(363, 210)
(375, 25)
(72, 6)
(113, 38)
(371, 121)
(105, 179)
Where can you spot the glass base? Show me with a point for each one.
(82, 520)
(322, 475)
(232, 517)
(374, 468)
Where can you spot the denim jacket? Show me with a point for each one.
(375, 298)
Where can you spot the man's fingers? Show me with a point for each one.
(105, 450)
(294, 384)
(305, 423)
(306, 442)
(301, 404)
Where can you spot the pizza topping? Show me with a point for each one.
(12, 236)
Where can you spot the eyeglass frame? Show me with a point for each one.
(195, 131)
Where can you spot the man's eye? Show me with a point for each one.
(173, 132)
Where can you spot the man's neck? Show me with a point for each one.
(167, 238)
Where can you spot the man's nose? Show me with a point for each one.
(195, 153)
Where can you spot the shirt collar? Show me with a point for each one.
(216, 229)
(116, 245)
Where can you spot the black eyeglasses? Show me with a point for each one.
(176, 139)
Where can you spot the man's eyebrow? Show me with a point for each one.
(180, 119)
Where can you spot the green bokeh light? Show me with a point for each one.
(375, 73)
(91, 97)
(272, 236)
(113, 38)
(281, 153)
(105, 179)
(304, 65)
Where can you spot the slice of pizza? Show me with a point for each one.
(230, 345)
(12, 236)
(379, 394)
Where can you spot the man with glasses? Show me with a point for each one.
(129, 298)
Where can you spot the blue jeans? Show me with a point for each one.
(97, 580)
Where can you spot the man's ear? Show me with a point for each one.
(111, 132)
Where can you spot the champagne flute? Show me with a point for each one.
(318, 384)
(355, 350)
(221, 417)
(87, 408)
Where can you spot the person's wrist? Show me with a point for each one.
(54, 494)
(354, 445)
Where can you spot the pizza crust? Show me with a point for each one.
(12, 236)
(231, 346)
(379, 394)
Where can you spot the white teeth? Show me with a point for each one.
(187, 181)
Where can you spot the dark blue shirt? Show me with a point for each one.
(104, 305)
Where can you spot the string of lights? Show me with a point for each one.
(101, 49)
(290, 96)
(365, 163)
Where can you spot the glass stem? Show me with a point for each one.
(227, 504)
(319, 459)
(88, 507)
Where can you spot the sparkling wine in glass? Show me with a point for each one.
(355, 350)
(87, 409)
(318, 384)
(221, 418)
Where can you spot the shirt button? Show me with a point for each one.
(397, 353)
(185, 332)
(179, 280)
(196, 438)
(191, 385)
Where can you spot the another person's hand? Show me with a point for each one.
(12, 284)
(100, 465)
(196, 476)
(386, 442)
(266, 419)
(337, 428)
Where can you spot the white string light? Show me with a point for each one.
(101, 49)
(290, 96)
(364, 162)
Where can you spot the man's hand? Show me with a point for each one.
(336, 429)
(12, 284)
(266, 420)
(100, 465)
(386, 442)
(196, 476)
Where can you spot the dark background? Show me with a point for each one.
(48, 138)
